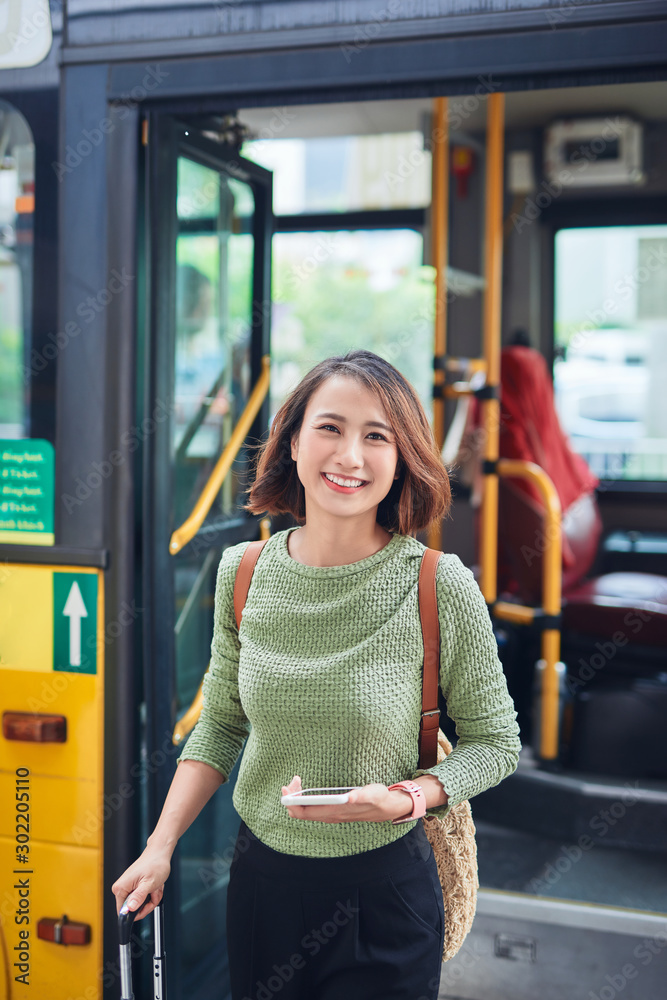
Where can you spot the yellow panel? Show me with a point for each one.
(26, 618)
(71, 695)
(62, 810)
(26, 615)
(65, 777)
(67, 802)
(27, 537)
(62, 880)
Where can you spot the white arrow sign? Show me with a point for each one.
(75, 610)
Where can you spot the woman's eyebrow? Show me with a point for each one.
(337, 416)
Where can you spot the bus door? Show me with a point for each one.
(208, 235)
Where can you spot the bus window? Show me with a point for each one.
(340, 289)
(611, 347)
(340, 173)
(336, 291)
(27, 34)
(17, 198)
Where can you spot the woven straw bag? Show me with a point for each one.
(452, 838)
(455, 850)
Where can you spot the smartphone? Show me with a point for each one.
(318, 796)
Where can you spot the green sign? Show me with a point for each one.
(27, 486)
(75, 622)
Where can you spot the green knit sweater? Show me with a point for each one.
(325, 681)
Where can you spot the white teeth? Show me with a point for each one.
(344, 482)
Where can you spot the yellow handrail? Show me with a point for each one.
(453, 364)
(191, 526)
(519, 614)
(551, 597)
(493, 256)
(551, 566)
(489, 364)
(190, 718)
(439, 251)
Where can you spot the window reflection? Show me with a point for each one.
(17, 203)
(214, 289)
(26, 36)
(611, 347)
(337, 291)
(345, 173)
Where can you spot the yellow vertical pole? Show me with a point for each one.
(439, 249)
(551, 602)
(550, 694)
(549, 664)
(493, 251)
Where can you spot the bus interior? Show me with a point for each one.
(583, 291)
(326, 212)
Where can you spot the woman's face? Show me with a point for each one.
(345, 436)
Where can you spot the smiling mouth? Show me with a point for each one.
(343, 482)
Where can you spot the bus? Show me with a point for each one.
(198, 202)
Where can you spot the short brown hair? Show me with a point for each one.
(419, 496)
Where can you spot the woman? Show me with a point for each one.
(338, 901)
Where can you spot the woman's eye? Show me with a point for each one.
(326, 427)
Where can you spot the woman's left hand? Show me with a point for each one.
(370, 804)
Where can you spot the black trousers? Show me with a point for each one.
(365, 927)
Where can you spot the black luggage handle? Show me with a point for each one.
(125, 921)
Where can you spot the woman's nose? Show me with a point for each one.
(349, 453)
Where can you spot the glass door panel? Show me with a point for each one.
(210, 263)
(214, 289)
(215, 267)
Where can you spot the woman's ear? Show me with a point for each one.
(294, 447)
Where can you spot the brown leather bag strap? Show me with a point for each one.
(428, 614)
(244, 576)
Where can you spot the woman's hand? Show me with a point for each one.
(145, 878)
(370, 804)
(191, 788)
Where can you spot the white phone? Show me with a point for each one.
(318, 796)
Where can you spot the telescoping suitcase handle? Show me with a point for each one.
(125, 921)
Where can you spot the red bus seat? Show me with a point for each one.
(632, 603)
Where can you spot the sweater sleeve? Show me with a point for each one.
(223, 727)
(475, 689)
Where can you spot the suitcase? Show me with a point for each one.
(125, 922)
